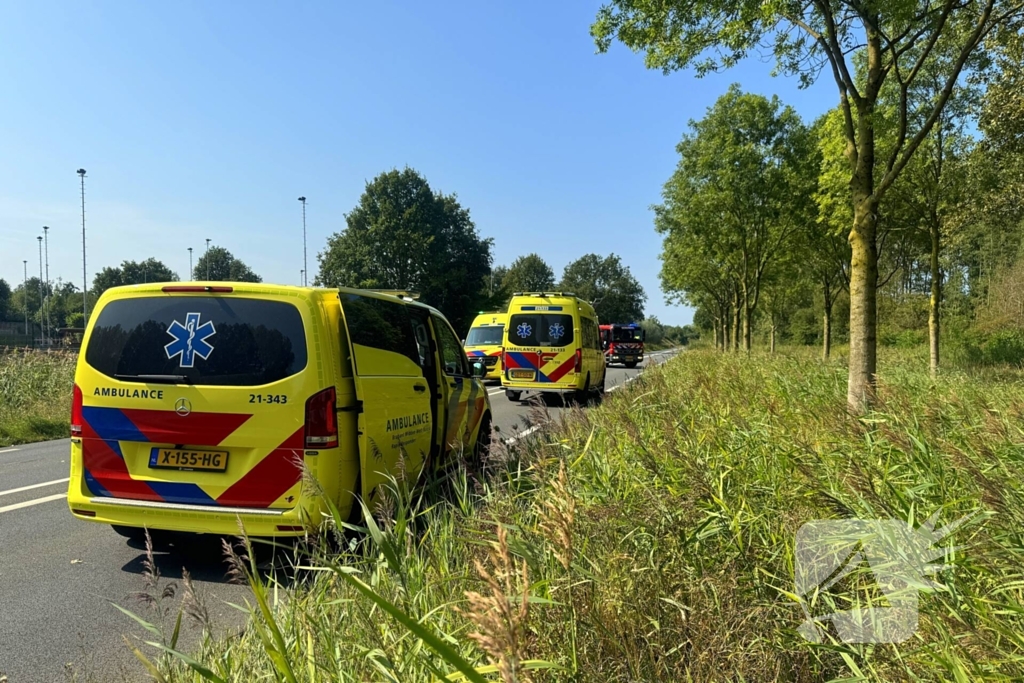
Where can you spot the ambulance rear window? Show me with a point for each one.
(540, 329)
(222, 341)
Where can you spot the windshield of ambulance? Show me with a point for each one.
(625, 334)
(221, 341)
(540, 329)
(485, 336)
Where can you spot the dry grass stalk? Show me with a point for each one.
(500, 618)
(558, 512)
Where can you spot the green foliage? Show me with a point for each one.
(6, 312)
(735, 206)
(528, 273)
(403, 235)
(219, 265)
(608, 285)
(35, 395)
(975, 348)
(132, 273)
(668, 517)
(654, 331)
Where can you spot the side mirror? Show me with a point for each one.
(463, 342)
(479, 370)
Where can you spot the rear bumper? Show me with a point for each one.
(625, 358)
(198, 519)
(545, 387)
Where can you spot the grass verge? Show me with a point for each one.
(35, 395)
(653, 538)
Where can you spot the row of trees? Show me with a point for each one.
(403, 235)
(59, 304)
(906, 73)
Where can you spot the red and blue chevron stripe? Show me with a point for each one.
(531, 361)
(107, 475)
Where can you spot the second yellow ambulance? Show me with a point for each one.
(552, 344)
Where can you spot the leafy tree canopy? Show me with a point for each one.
(132, 273)
(220, 265)
(404, 235)
(528, 273)
(608, 285)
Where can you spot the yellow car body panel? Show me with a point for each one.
(483, 343)
(552, 344)
(199, 405)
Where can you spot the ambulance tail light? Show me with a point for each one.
(579, 360)
(322, 420)
(76, 411)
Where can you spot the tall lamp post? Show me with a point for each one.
(85, 285)
(46, 260)
(190, 263)
(305, 266)
(42, 319)
(24, 293)
(207, 259)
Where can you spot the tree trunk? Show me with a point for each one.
(826, 344)
(736, 320)
(746, 318)
(863, 301)
(772, 345)
(936, 299)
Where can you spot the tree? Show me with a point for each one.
(219, 265)
(403, 235)
(5, 300)
(889, 42)
(132, 273)
(608, 285)
(743, 188)
(528, 273)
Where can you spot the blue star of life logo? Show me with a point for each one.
(524, 330)
(556, 331)
(190, 340)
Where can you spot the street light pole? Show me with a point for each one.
(207, 259)
(190, 264)
(46, 257)
(302, 276)
(85, 285)
(24, 293)
(42, 320)
(305, 265)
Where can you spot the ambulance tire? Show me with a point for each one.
(482, 447)
(513, 395)
(583, 396)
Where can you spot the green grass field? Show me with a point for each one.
(35, 395)
(652, 539)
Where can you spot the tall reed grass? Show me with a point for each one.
(652, 539)
(35, 395)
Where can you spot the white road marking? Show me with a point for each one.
(495, 392)
(30, 503)
(35, 486)
(520, 435)
(10, 450)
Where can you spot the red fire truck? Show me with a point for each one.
(623, 343)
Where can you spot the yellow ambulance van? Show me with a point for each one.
(483, 343)
(551, 345)
(200, 404)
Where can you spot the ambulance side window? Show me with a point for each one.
(383, 337)
(454, 357)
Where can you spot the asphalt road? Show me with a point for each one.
(60, 577)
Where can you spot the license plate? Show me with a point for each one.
(522, 374)
(629, 359)
(181, 459)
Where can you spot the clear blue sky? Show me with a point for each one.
(199, 120)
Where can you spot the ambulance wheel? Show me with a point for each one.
(513, 395)
(632, 364)
(482, 448)
(604, 382)
(583, 395)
